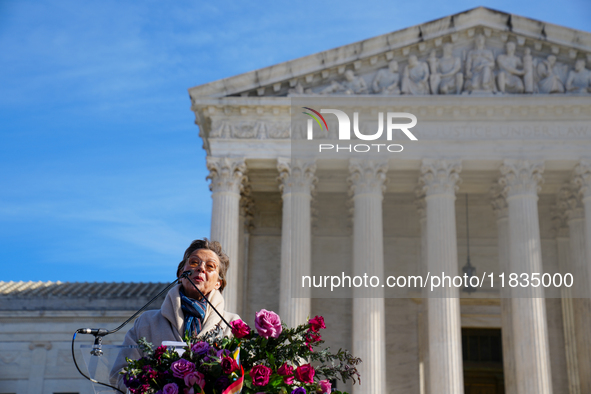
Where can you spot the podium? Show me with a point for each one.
(99, 361)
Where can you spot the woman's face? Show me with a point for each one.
(205, 265)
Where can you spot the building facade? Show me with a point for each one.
(503, 113)
(503, 124)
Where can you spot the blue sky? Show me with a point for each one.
(102, 174)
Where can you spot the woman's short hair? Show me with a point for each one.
(215, 247)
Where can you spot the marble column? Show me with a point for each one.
(227, 178)
(582, 183)
(425, 386)
(560, 223)
(499, 204)
(520, 181)
(245, 227)
(580, 235)
(297, 180)
(367, 181)
(439, 179)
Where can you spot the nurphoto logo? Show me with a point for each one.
(344, 130)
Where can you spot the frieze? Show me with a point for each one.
(260, 129)
(250, 129)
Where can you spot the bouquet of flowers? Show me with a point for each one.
(270, 359)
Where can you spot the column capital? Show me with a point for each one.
(521, 177)
(582, 179)
(440, 176)
(367, 177)
(569, 202)
(296, 175)
(227, 174)
(499, 202)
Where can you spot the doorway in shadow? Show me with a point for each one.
(482, 352)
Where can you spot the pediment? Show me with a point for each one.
(412, 61)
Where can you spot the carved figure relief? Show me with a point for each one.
(415, 79)
(446, 75)
(352, 85)
(579, 79)
(550, 81)
(387, 80)
(510, 74)
(479, 68)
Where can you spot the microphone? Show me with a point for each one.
(93, 331)
(186, 274)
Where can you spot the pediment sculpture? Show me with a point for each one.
(476, 71)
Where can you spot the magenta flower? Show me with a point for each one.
(240, 329)
(316, 323)
(268, 324)
(260, 375)
(285, 370)
(305, 373)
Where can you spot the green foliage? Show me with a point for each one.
(294, 359)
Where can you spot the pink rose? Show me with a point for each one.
(240, 329)
(170, 388)
(325, 386)
(181, 367)
(288, 380)
(316, 323)
(305, 373)
(267, 324)
(260, 375)
(194, 378)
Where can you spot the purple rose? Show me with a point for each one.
(181, 367)
(267, 324)
(200, 348)
(299, 390)
(223, 353)
(170, 388)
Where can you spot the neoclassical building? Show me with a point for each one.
(503, 111)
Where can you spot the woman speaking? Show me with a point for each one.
(184, 311)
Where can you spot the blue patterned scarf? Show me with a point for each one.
(194, 312)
